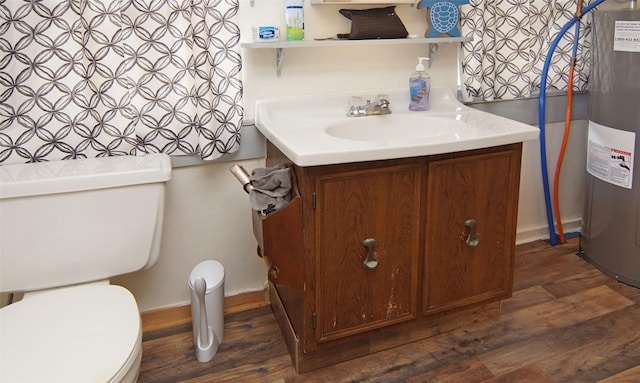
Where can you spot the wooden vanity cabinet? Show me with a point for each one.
(366, 248)
(374, 254)
(471, 208)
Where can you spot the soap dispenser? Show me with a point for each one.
(419, 87)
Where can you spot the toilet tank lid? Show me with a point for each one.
(22, 180)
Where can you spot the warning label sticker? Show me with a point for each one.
(610, 154)
(626, 36)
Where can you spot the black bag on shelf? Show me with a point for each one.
(375, 23)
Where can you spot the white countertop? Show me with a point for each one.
(314, 130)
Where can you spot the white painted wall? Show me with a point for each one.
(327, 70)
(207, 217)
(532, 218)
(207, 211)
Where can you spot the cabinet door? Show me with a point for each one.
(378, 205)
(479, 191)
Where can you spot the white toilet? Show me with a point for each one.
(65, 228)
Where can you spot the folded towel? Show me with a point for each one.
(271, 188)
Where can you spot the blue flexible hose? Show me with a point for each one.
(541, 117)
(576, 35)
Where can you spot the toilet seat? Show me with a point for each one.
(87, 333)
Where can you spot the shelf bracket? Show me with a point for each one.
(279, 58)
(432, 48)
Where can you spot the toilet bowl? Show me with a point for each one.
(66, 227)
(87, 333)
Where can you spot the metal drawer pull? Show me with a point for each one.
(371, 262)
(472, 238)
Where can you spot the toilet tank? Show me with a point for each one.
(76, 221)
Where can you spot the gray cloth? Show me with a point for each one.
(271, 188)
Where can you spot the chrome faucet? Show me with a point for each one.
(378, 107)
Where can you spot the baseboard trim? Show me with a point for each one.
(531, 234)
(173, 316)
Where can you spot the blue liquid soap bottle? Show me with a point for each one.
(419, 87)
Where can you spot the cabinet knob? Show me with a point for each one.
(371, 262)
(274, 271)
(472, 238)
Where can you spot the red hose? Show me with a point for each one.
(565, 139)
(567, 128)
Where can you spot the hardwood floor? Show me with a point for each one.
(566, 322)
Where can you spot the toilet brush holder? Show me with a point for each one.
(206, 283)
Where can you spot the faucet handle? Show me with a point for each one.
(355, 101)
(382, 99)
(355, 105)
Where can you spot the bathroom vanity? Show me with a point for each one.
(365, 247)
(375, 253)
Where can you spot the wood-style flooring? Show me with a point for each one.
(566, 322)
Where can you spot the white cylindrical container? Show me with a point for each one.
(294, 18)
(206, 283)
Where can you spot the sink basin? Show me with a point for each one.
(398, 128)
(314, 130)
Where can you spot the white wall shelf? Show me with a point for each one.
(282, 46)
(352, 2)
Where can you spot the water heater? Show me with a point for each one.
(611, 221)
